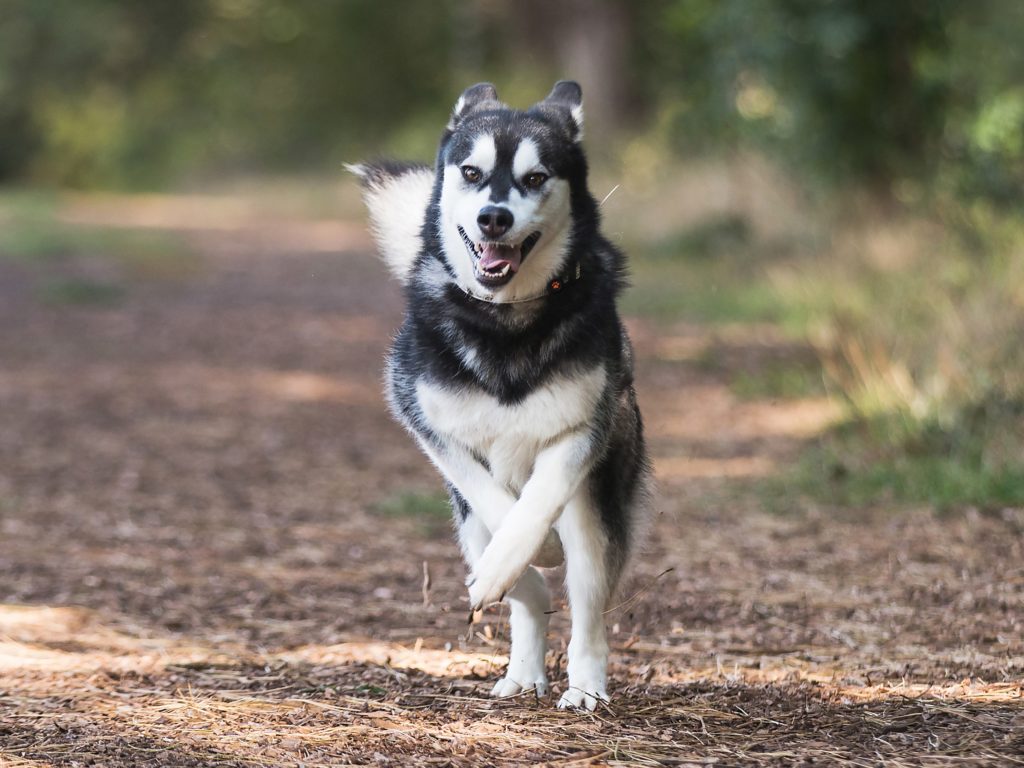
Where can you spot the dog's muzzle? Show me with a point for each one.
(495, 263)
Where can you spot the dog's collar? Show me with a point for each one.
(572, 275)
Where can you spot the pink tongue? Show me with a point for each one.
(495, 257)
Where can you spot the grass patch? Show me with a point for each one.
(942, 482)
(432, 510)
(719, 235)
(700, 290)
(81, 292)
(917, 323)
(972, 459)
(715, 272)
(675, 294)
(779, 381)
(32, 233)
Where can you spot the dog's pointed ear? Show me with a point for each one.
(472, 98)
(568, 95)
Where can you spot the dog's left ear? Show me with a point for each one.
(568, 95)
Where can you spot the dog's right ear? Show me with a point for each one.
(568, 96)
(473, 98)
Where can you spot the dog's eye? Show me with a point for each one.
(535, 180)
(471, 174)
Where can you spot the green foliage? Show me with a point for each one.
(918, 328)
(882, 93)
(94, 92)
(82, 265)
(913, 317)
(836, 82)
(28, 227)
(692, 275)
(896, 95)
(715, 236)
(785, 381)
(698, 291)
(919, 105)
(412, 504)
(973, 460)
(916, 323)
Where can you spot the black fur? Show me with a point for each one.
(521, 346)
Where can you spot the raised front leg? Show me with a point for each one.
(490, 500)
(556, 475)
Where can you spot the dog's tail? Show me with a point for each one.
(397, 196)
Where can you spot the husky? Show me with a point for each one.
(513, 371)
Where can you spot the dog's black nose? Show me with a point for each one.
(494, 221)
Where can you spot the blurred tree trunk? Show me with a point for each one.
(593, 50)
(582, 40)
(468, 42)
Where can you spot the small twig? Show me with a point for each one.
(632, 598)
(609, 195)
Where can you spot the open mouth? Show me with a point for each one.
(495, 263)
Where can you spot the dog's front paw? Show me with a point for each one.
(482, 594)
(488, 585)
(508, 687)
(584, 699)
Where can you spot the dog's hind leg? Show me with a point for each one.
(590, 582)
(529, 602)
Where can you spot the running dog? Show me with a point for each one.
(513, 371)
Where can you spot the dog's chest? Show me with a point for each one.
(510, 436)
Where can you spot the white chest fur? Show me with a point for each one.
(510, 436)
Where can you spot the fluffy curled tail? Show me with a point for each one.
(397, 196)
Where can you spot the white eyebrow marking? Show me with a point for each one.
(484, 154)
(527, 158)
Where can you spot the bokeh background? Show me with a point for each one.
(851, 171)
(216, 547)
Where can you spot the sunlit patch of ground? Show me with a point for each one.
(110, 692)
(216, 214)
(673, 468)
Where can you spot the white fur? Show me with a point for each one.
(490, 500)
(538, 451)
(527, 159)
(456, 112)
(397, 206)
(529, 602)
(546, 211)
(586, 545)
(577, 116)
(557, 473)
(483, 155)
(511, 436)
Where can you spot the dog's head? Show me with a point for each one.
(507, 181)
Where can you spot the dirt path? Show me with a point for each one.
(205, 555)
